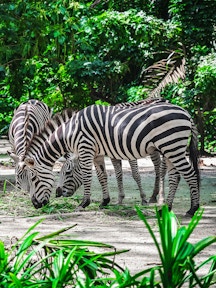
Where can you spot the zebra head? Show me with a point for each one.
(70, 178)
(21, 175)
(21, 172)
(41, 180)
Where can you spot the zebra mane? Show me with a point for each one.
(27, 107)
(149, 100)
(51, 125)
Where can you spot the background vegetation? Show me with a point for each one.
(74, 53)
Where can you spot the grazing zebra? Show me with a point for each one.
(130, 134)
(71, 174)
(70, 178)
(28, 119)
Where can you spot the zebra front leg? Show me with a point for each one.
(86, 163)
(137, 178)
(102, 177)
(117, 164)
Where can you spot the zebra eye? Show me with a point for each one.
(68, 170)
(32, 173)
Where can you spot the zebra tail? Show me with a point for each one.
(194, 152)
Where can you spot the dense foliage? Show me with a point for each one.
(75, 53)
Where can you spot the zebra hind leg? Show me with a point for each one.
(161, 193)
(174, 178)
(187, 170)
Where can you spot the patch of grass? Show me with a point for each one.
(128, 211)
(18, 203)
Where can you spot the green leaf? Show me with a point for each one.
(204, 243)
(3, 257)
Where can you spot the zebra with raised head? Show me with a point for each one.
(71, 174)
(130, 134)
(29, 118)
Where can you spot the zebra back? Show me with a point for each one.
(138, 103)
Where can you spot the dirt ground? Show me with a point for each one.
(123, 230)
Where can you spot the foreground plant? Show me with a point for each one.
(53, 261)
(177, 254)
(50, 261)
(178, 267)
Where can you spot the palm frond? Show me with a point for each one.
(163, 72)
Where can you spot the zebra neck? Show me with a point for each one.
(60, 142)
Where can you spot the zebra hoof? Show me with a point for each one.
(153, 200)
(160, 211)
(190, 213)
(144, 202)
(85, 203)
(105, 202)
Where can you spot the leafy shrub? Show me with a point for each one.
(53, 261)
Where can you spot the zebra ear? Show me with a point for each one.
(75, 161)
(29, 162)
(13, 156)
(73, 158)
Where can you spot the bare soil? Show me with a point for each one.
(114, 225)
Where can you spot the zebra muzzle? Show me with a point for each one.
(105, 202)
(59, 192)
(38, 204)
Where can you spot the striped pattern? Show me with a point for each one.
(70, 178)
(121, 134)
(29, 119)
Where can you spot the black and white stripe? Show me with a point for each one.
(29, 118)
(118, 133)
(70, 178)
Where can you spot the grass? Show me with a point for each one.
(15, 202)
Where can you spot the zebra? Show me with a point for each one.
(70, 178)
(96, 131)
(28, 119)
(71, 175)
